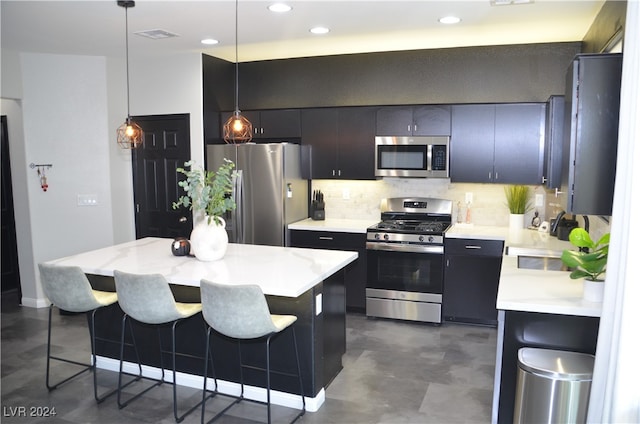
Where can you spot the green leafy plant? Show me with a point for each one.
(517, 199)
(589, 264)
(207, 191)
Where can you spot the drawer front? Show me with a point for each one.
(328, 240)
(473, 247)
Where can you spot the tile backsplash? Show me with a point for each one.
(349, 199)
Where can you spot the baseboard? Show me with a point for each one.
(226, 387)
(34, 303)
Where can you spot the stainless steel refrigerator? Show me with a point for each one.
(269, 190)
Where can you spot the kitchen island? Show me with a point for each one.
(303, 282)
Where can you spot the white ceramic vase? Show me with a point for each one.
(592, 291)
(516, 221)
(209, 241)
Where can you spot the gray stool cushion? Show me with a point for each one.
(147, 298)
(240, 311)
(68, 288)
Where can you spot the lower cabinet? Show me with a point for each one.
(471, 276)
(355, 273)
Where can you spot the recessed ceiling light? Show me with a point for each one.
(319, 30)
(449, 20)
(156, 34)
(209, 41)
(279, 7)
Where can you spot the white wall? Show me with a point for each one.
(64, 110)
(66, 113)
(159, 86)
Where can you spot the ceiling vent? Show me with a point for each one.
(156, 34)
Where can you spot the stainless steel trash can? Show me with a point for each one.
(552, 386)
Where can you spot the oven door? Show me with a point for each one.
(406, 271)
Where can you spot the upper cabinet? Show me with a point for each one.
(430, 120)
(342, 141)
(497, 143)
(552, 172)
(272, 124)
(591, 133)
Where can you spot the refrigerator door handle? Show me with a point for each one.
(239, 211)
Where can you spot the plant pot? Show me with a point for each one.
(516, 221)
(592, 291)
(209, 241)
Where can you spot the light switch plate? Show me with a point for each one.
(87, 199)
(539, 200)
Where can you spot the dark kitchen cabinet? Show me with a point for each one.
(428, 120)
(591, 133)
(552, 171)
(471, 277)
(497, 143)
(355, 273)
(342, 142)
(272, 124)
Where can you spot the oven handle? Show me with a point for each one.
(405, 247)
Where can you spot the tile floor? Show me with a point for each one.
(394, 372)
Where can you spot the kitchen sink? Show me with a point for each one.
(542, 263)
(532, 258)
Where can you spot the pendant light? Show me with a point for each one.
(237, 129)
(130, 135)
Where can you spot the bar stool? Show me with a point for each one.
(148, 299)
(68, 288)
(241, 312)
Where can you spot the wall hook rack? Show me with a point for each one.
(41, 175)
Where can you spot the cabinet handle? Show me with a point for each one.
(544, 180)
(325, 238)
(415, 128)
(558, 192)
(333, 172)
(339, 172)
(472, 246)
(409, 128)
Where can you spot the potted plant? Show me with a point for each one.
(518, 204)
(208, 195)
(588, 262)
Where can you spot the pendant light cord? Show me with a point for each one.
(126, 37)
(236, 93)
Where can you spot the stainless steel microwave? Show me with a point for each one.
(412, 157)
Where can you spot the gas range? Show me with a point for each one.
(409, 223)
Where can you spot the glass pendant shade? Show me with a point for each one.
(130, 135)
(237, 129)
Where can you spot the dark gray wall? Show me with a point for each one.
(610, 20)
(515, 73)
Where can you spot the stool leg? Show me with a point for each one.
(269, 378)
(295, 347)
(87, 367)
(93, 355)
(139, 376)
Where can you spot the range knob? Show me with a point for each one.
(430, 239)
(421, 238)
(377, 236)
(386, 236)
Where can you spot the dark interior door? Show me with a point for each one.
(155, 180)
(10, 270)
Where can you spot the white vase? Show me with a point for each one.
(209, 241)
(592, 291)
(516, 221)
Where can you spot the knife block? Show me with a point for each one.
(317, 210)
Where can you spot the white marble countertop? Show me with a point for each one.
(531, 290)
(279, 271)
(337, 225)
